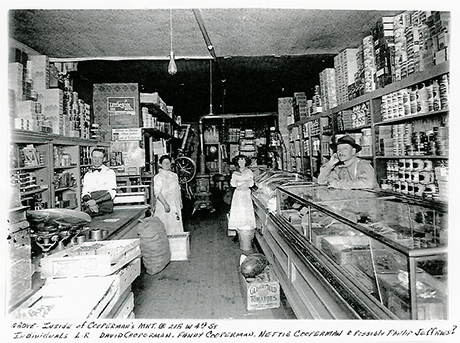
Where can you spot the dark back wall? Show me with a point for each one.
(252, 84)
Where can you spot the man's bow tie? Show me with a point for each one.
(96, 169)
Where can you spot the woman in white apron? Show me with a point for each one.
(242, 218)
(168, 205)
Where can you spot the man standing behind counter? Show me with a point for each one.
(99, 186)
(345, 170)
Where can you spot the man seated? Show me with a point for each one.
(99, 186)
(345, 170)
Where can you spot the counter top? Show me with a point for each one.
(121, 219)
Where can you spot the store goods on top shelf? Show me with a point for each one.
(425, 97)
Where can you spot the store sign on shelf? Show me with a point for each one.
(133, 134)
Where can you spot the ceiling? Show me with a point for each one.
(262, 53)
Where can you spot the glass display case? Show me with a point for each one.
(384, 255)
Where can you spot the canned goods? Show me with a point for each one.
(407, 175)
(436, 98)
(96, 234)
(403, 186)
(426, 177)
(417, 164)
(419, 189)
(444, 92)
(427, 165)
(430, 188)
(408, 165)
(410, 188)
(397, 186)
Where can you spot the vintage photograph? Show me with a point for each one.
(174, 171)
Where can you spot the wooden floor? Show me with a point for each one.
(205, 287)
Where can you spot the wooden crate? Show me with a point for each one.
(82, 260)
(69, 298)
(128, 274)
(179, 244)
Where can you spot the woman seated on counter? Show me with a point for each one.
(345, 170)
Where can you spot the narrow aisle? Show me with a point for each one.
(205, 287)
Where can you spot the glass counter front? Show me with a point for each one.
(394, 249)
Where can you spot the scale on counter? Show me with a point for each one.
(56, 227)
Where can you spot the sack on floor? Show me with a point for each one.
(154, 244)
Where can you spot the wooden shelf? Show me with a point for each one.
(308, 119)
(66, 167)
(18, 208)
(29, 168)
(355, 129)
(411, 117)
(39, 190)
(162, 116)
(157, 133)
(65, 189)
(412, 157)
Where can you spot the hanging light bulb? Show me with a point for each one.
(172, 68)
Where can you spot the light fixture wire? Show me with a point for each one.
(210, 87)
(172, 68)
(170, 27)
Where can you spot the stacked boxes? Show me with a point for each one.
(383, 36)
(345, 69)
(438, 24)
(44, 100)
(315, 105)
(53, 109)
(357, 87)
(40, 71)
(328, 88)
(401, 22)
(344, 120)
(300, 105)
(366, 143)
(387, 141)
(15, 79)
(369, 64)
(154, 98)
(285, 113)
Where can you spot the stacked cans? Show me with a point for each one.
(431, 95)
(412, 176)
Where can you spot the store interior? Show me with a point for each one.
(279, 86)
